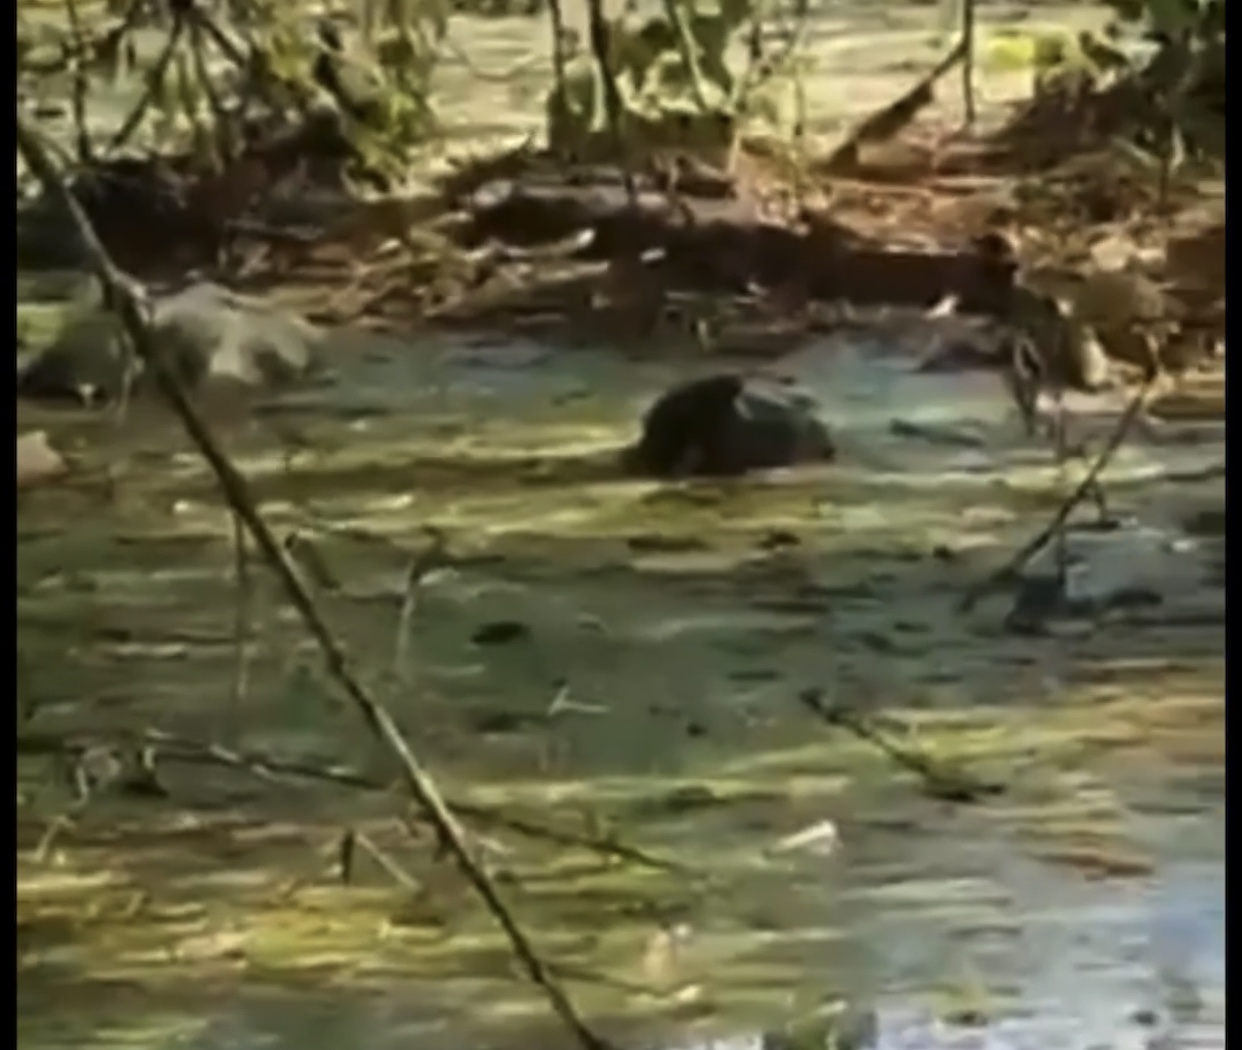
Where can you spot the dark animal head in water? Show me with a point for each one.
(775, 429)
(676, 427)
(719, 426)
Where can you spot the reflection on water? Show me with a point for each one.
(912, 916)
(1094, 967)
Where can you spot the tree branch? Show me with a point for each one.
(128, 300)
(1089, 484)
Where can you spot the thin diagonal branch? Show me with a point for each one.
(1089, 484)
(128, 300)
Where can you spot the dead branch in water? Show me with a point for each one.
(172, 748)
(1090, 484)
(128, 301)
(938, 780)
(243, 599)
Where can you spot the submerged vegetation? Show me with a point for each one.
(363, 696)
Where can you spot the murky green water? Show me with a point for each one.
(1083, 909)
(657, 639)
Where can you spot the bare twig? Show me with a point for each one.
(202, 72)
(887, 122)
(258, 78)
(761, 68)
(128, 300)
(614, 105)
(424, 563)
(129, 22)
(1060, 455)
(675, 12)
(171, 747)
(556, 18)
(1085, 489)
(81, 82)
(224, 43)
(241, 627)
(968, 60)
(938, 780)
(89, 770)
(154, 81)
(363, 841)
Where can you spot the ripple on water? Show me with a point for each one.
(1073, 965)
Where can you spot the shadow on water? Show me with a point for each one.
(613, 653)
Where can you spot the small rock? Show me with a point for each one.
(499, 632)
(210, 336)
(1134, 320)
(726, 425)
(37, 461)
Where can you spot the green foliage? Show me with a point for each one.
(1172, 18)
(692, 72)
(1185, 79)
(272, 61)
(679, 84)
(1167, 104)
(383, 79)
